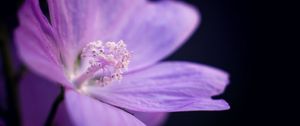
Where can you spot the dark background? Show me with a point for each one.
(250, 40)
(223, 40)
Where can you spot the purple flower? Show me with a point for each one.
(98, 75)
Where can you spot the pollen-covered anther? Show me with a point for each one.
(107, 62)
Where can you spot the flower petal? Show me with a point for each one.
(152, 119)
(157, 29)
(152, 30)
(86, 111)
(167, 87)
(36, 45)
(62, 117)
(36, 97)
(81, 21)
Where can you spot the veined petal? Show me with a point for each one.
(152, 30)
(36, 43)
(80, 21)
(156, 29)
(152, 118)
(86, 111)
(167, 87)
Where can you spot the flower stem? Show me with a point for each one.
(9, 79)
(54, 107)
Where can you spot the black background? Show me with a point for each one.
(223, 40)
(250, 40)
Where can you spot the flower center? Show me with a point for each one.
(106, 62)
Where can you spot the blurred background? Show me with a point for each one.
(223, 40)
(253, 41)
(240, 37)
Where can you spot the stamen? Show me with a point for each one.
(107, 62)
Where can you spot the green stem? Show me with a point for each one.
(9, 79)
(54, 107)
